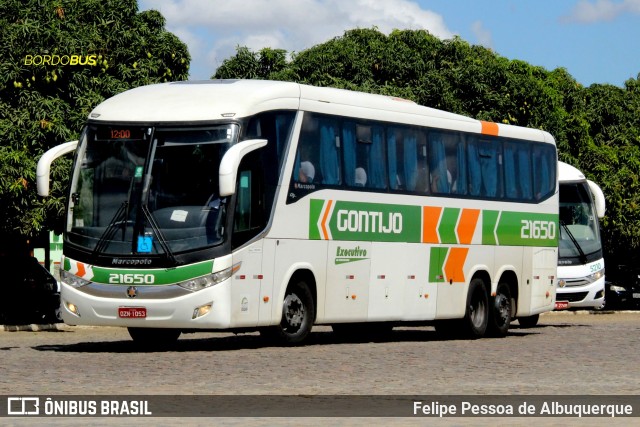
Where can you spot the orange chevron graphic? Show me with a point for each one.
(325, 218)
(467, 225)
(81, 270)
(453, 267)
(430, 219)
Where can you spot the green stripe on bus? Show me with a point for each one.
(489, 219)
(437, 256)
(315, 209)
(447, 227)
(162, 276)
(370, 222)
(527, 229)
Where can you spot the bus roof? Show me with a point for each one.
(209, 100)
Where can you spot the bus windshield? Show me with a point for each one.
(579, 235)
(148, 191)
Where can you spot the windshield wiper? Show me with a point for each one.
(583, 257)
(118, 218)
(158, 232)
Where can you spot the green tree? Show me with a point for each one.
(264, 64)
(58, 60)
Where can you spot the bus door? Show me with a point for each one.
(248, 221)
(538, 284)
(420, 294)
(386, 284)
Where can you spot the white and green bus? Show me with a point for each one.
(274, 206)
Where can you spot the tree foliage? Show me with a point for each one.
(59, 60)
(597, 128)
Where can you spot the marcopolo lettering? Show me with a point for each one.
(369, 221)
(39, 60)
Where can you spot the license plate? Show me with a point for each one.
(636, 295)
(132, 312)
(562, 305)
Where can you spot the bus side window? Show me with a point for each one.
(377, 172)
(517, 171)
(544, 171)
(402, 155)
(249, 217)
(318, 157)
(440, 176)
(484, 158)
(422, 173)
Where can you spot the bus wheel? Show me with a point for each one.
(298, 314)
(154, 338)
(500, 314)
(477, 315)
(529, 321)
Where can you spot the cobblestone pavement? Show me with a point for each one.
(569, 353)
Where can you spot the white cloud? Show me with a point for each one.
(588, 12)
(482, 34)
(212, 29)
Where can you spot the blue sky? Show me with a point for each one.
(595, 40)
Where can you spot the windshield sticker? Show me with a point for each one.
(179, 215)
(145, 244)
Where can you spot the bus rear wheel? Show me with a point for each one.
(476, 317)
(154, 338)
(500, 315)
(298, 314)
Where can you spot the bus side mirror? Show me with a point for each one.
(44, 165)
(598, 198)
(231, 161)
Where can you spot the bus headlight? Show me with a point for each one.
(203, 282)
(72, 280)
(595, 276)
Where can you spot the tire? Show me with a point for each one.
(529, 321)
(500, 312)
(298, 315)
(154, 338)
(476, 318)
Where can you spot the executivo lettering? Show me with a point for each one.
(344, 256)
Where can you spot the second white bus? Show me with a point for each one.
(580, 259)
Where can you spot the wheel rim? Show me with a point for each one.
(477, 311)
(293, 313)
(503, 309)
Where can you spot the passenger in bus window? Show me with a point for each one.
(439, 182)
(361, 177)
(307, 172)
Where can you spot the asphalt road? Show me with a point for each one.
(573, 353)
